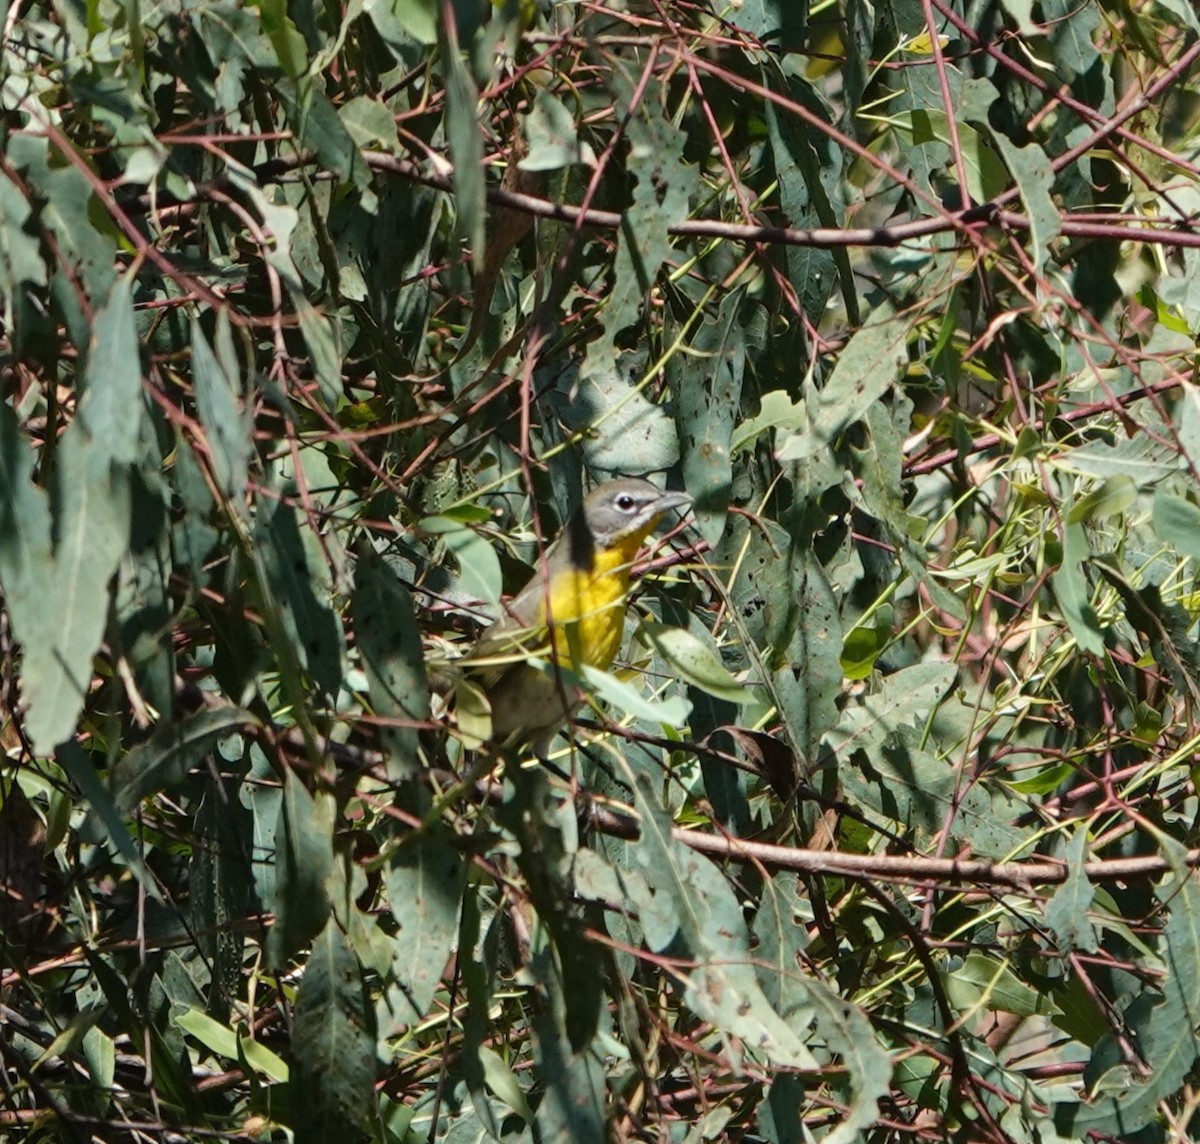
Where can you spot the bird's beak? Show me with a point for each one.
(670, 500)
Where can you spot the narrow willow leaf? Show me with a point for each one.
(389, 642)
(81, 771)
(1177, 521)
(166, 758)
(695, 662)
(425, 882)
(333, 1045)
(1073, 594)
(1066, 912)
(987, 984)
(218, 400)
(702, 919)
(301, 588)
(709, 387)
(303, 864)
(113, 407)
(868, 367)
(466, 152)
(92, 525)
(669, 712)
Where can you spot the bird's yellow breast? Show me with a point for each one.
(587, 608)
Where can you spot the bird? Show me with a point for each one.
(571, 614)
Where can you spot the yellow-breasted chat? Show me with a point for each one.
(570, 615)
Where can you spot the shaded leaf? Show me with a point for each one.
(333, 1045)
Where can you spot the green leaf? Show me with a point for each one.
(333, 1045)
(389, 642)
(85, 243)
(297, 576)
(81, 771)
(1113, 497)
(1071, 590)
(868, 367)
(419, 18)
(776, 410)
(1066, 912)
(669, 712)
(1167, 626)
(797, 995)
(573, 1106)
(551, 135)
(987, 984)
(902, 699)
(92, 523)
(503, 1082)
(466, 153)
(812, 191)
(479, 577)
(807, 684)
(1034, 175)
(218, 393)
(303, 864)
(1168, 1032)
(20, 258)
(1177, 522)
(697, 915)
(291, 52)
(112, 408)
(315, 121)
(26, 562)
(220, 880)
(166, 758)
(660, 198)
(223, 1041)
(1142, 459)
(696, 663)
(425, 881)
(709, 385)
(368, 122)
(625, 431)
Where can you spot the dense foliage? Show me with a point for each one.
(317, 322)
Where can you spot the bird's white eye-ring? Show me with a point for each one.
(626, 503)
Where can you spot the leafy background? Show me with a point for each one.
(317, 321)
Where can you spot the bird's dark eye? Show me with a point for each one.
(626, 503)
